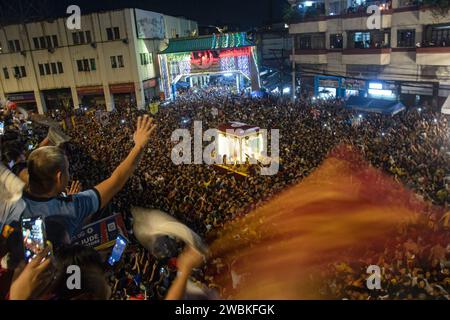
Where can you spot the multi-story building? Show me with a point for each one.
(112, 58)
(403, 52)
(274, 45)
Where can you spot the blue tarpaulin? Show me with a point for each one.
(374, 105)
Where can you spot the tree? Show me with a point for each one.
(439, 7)
(288, 13)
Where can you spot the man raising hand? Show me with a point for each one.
(48, 169)
(108, 188)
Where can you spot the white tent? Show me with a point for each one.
(446, 106)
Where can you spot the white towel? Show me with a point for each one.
(10, 185)
(151, 224)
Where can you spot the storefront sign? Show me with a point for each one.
(21, 97)
(93, 90)
(150, 83)
(328, 83)
(354, 84)
(122, 88)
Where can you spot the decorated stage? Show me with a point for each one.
(198, 61)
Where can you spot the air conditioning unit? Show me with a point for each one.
(94, 45)
(125, 40)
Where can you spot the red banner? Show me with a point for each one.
(122, 88)
(150, 83)
(90, 90)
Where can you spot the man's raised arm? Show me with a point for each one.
(111, 186)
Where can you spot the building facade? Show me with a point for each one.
(401, 50)
(111, 59)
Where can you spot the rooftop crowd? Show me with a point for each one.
(410, 146)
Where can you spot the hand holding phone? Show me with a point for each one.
(33, 235)
(35, 278)
(118, 250)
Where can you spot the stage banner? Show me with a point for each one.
(101, 234)
(149, 25)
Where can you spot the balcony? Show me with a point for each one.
(309, 26)
(433, 56)
(311, 56)
(375, 56)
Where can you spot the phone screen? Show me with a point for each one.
(33, 234)
(2, 128)
(119, 248)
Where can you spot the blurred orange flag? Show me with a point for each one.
(275, 251)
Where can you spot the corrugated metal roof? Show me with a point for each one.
(214, 42)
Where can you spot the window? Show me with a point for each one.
(81, 38)
(336, 41)
(438, 35)
(75, 38)
(42, 42)
(88, 37)
(406, 38)
(120, 61)
(336, 8)
(369, 39)
(109, 34)
(49, 41)
(142, 58)
(50, 68)
(304, 42)
(86, 65)
(55, 41)
(19, 72)
(80, 65)
(36, 42)
(14, 45)
(113, 62)
(17, 44)
(116, 33)
(113, 33)
(361, 40)
(41, 69)
(6, 73)
(60, 67)
(93, 66)
(54, 70)
(310, 41)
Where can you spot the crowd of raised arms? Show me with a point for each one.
(411, 146)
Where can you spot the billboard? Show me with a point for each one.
(149, 25)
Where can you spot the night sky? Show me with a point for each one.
(242, 14)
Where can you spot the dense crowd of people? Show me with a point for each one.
(410, 146)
